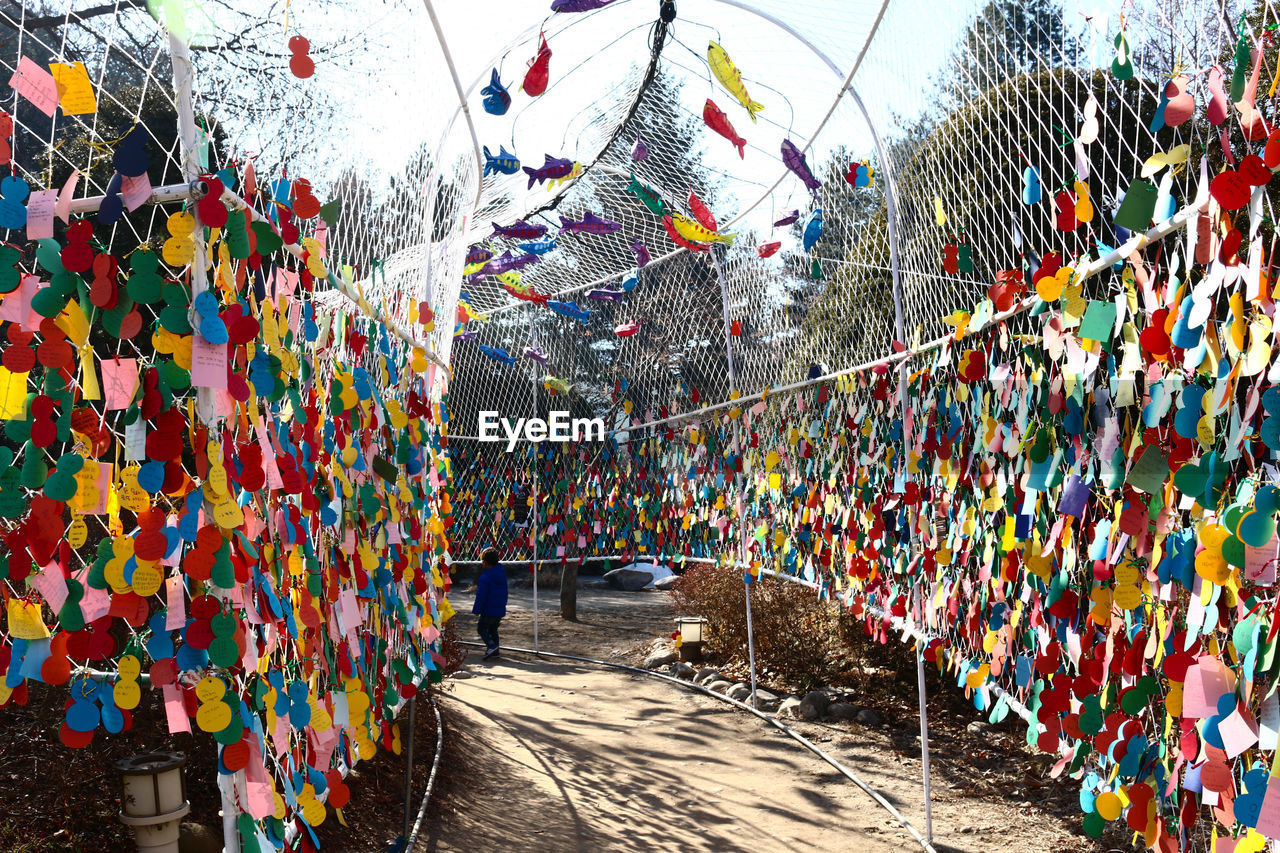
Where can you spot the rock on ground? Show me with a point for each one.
(789, 707)
(680, 669)
(719, 685)
(198, 838)
(705, 675)
(766, 701)
(868, 717)
(741, 692)
(814, 704)
(659, 657)
(666, 583)
(842, 711)
(630, 580)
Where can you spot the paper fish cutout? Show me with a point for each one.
(525, 293)
(813, 229)
(535, 79)
(702, 213)
(641, 252)
(589, 224)
(790, 219)
(539, 248)
(715, 119)
(768, 250)
(793, 158)
(648, 196)
(626, 330)
(535, 354)
(553, 168)
(696, 232)
(552, 383)
(570, 310)
(604, 294)
(507, 262)
(731, 78)
(497, 100)
(639, 151)
(520, 230)
(497, 354)
(578, 5)
(505, 163)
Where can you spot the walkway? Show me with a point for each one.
(568, 757)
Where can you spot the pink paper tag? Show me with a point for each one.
(95, 604)
(35, 84)
(208, 364)
(16, 306)
(175, 600)
(119, 381)
(135, 191)
(40, 214)
(63, 208)
(52, 585)
(174, 710)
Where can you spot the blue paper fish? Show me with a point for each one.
(497, 100)
(630, 281)
(571, 310)
(505, 163)
(813, 228)
(539, 248)
(497, 354)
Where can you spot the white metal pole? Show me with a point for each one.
(206, 402)
(183, 76)
(924, 736)
(533, 542)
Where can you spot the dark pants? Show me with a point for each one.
(487, 627)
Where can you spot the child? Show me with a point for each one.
(491, 600)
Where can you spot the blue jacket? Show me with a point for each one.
(491, 593)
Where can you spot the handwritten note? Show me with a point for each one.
(208, 364)
(36, 85)
(40, 214)
(75, 91)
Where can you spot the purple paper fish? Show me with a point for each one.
(794, 160)
(477, 255)
(553, 168)
(790, 219)
(519, 230)
(605, 295)
(464, 335)
(535, 354)
(642, 253)
(578, 5)
(640, 151)
(508, 262)
(589, 224)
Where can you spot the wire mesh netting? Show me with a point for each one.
(221, 477)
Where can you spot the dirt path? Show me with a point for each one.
(576, 758)
(560, 756)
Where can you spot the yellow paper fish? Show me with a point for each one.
(730, 77)
(574, 173)
(694, 232)
(552, 383)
